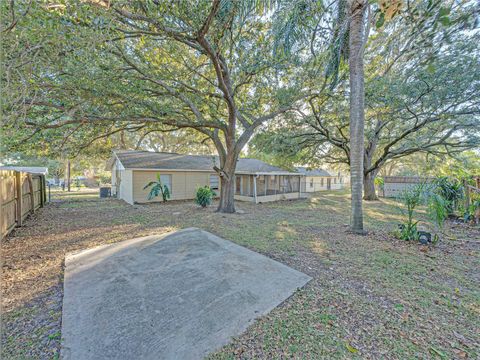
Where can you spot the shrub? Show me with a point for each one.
(204, 196)
(451, 190)
(411, 198)
(438, 212)
(158, 189)
(469, 214)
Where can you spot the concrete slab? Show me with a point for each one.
(174, 296)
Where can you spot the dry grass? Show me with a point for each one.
(371, 297)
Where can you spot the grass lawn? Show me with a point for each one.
(371, 296)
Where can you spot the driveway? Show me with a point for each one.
(174, 296)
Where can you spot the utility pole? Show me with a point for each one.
(68, 175)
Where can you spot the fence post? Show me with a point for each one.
(42, 190)
(19, 195)
(32, 195)
(467, 194)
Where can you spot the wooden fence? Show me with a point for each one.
(394, 185)
(21, 194)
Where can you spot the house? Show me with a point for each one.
(255, 180)
(318, 179)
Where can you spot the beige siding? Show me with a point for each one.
(114, 180)
(184, 184)
(126, 192)
(318, 186)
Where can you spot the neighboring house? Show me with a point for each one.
(318, 179)
(255, 180)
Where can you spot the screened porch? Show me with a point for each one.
(268, 187)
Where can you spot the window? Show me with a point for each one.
(214, 181)
(311, 183)
(167, 180)
(321, 181)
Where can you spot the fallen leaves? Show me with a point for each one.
(350, 348)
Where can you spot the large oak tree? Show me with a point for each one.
(156, 65)
(421, 86)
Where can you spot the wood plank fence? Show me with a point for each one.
(21, 194)
(394, 185)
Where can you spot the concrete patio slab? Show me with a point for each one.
(174, 296)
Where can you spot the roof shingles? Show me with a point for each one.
(313, 172)
(172, 161)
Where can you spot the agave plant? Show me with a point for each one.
(157, 189)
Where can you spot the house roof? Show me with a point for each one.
(313, 172)
(147, 160)
(27, 169)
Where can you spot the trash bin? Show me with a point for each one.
(105, 191)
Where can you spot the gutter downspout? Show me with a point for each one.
(300, 187)
(255, 188)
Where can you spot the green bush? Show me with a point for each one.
(451, 190)
(438, 212)
(204, 196)
(469, 213)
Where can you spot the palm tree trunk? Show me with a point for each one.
(357, 114)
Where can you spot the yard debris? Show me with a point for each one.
(351, 348)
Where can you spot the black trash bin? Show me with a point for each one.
(105, 191)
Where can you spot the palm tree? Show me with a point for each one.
(350, 25)
(356, 15)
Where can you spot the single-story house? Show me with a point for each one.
(255, 180)
(319, 179)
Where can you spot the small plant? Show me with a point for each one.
(411, 198)
(438, 213)
(204, 196)
(380, 184)
(157, 189)
(474, 208)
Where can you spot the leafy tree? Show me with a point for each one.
(344, 24)
(135, 66)
(418, 101)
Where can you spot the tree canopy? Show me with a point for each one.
(85, 77)
(421, 96)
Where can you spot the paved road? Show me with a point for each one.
(174, 296)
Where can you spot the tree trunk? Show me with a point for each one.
(227, 184)
(369, 187)
(357, 112)
(69, 176)
(227, 192)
